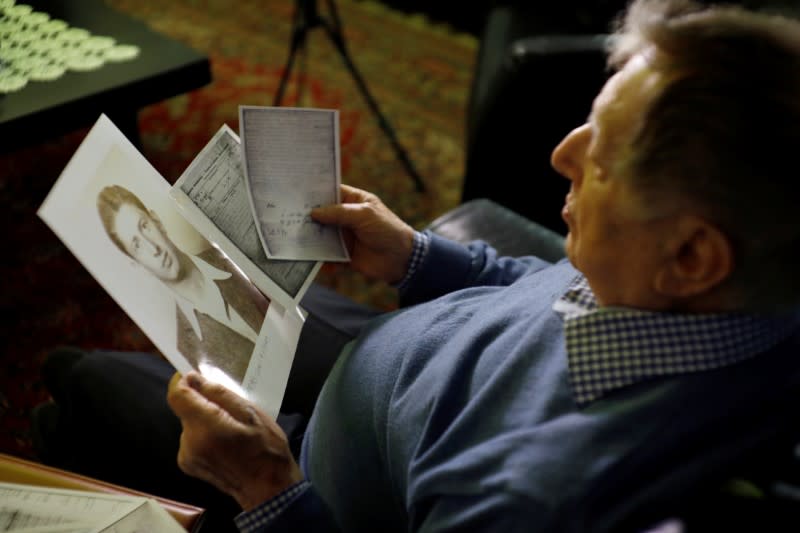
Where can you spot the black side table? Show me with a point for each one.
(46, 109)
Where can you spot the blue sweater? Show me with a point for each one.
(456, 413)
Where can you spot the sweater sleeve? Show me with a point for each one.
(449, 266)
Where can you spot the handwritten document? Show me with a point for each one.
(291, 158)
(215, 184)
(33, 509)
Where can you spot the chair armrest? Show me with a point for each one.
(508, 232)
(16, 470)
(529, 48)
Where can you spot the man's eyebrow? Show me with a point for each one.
(135, 242)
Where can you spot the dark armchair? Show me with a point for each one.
(538, 68)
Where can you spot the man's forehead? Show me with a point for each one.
(132, 209)
(623, 100)
(634, 81)
(128, 215)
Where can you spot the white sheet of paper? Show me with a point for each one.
(212, 195)
(292, 164)
(149, 516)
(34, 509)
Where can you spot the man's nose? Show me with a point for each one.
(153, 246)
(567, 157)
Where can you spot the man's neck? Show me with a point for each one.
(193, 284)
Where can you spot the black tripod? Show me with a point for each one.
(305, 18)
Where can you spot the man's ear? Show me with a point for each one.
(698, 258)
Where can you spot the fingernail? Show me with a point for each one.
(174, 380)
(194, 380)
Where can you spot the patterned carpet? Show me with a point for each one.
(418, 72)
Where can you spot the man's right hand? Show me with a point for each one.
(230, 442)
(380, 243)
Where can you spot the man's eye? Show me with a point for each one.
(143, 223)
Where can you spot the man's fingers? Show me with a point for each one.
(239, 408)
(173, 382)
(229, 442)
(187, 403)
(351, 194)
(196, 400)
(351, 209)
(188, 399)
(345, 214)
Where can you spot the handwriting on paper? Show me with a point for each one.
(291, 160)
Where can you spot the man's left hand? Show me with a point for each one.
(230, 442)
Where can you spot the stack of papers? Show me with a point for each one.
(212, 268)
(32, 509)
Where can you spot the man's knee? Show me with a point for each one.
(112, 378)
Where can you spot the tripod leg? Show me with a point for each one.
(298, 39)
(334, 32)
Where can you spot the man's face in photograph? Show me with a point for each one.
(146, 242)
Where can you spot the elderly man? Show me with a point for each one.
(519, 395)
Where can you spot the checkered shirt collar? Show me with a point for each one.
(609, 348)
